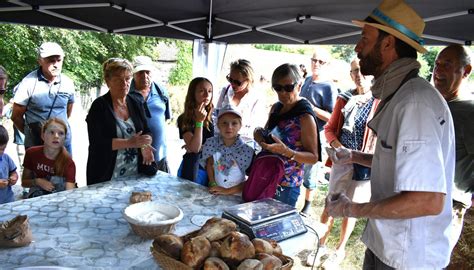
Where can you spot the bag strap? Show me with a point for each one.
(52, 105)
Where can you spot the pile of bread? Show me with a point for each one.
(218, 246)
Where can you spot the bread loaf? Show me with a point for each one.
(140, 196)
(215, 246)
(250, 264)
(275, 245)
(217, 228)
(271, 262)
(236, 247)
(262, 246)
(214, 263)
(169, 244)
(195, 251)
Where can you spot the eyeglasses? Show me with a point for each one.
(355, 71)
(232, 81)
(288, 88)
(318, 61)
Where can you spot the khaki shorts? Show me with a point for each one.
(340, 181)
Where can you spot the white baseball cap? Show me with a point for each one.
(143, 63)
(228, 109)
(48, 49)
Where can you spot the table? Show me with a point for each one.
(84, 228)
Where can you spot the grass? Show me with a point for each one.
(354, 249)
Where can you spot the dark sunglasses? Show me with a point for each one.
(288, 88)
(236, 82)
(321, 62)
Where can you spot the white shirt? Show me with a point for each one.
(233, 177)
(415, 152)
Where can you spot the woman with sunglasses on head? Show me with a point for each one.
(293, 128)
(195, 127)
(241, 95)
(119, 137)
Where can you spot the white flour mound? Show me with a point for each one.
(152, 217)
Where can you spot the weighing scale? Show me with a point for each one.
(267, 218)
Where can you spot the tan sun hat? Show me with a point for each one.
(400, 20)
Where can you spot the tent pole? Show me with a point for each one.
(209, 26)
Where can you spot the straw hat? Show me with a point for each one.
(400, 20)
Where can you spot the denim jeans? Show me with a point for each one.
(288, 195)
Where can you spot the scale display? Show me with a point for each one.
(266, 218)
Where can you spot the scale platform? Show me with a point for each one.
(267, 218)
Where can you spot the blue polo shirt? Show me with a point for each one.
(38, 95)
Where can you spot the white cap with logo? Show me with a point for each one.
(48, 49)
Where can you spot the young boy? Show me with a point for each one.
(8, 175)
(225, 156)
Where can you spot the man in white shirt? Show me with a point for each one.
(409, 214)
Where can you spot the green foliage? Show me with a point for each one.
(270, 47)
(183, 72)
(343, 52)
(85, 51)
(428, 59)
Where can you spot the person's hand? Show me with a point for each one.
(3, 183)
(340, 155)
(44, 184)
(217, 190)
(185, 147)
(147, 153)
(12, 181)
(338, 205)
(277, 148)
(200, 113)
(138, 140)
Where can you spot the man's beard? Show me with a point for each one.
(370, 64)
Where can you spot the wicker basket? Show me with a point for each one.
(152, 230)
(168, 263)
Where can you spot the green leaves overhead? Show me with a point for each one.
(85, 51)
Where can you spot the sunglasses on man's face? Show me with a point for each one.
(232, 81)
(288, 88)
(318, 61)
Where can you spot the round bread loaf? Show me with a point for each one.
(217, 228)
(170, 244)
(275, 245)
(250, 264)
(214, 263)
(236, 247)
(271, 262)
(195, 251)
(262, 246)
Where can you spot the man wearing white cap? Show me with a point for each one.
(155, 101)
(409, 213)
(44, 93)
